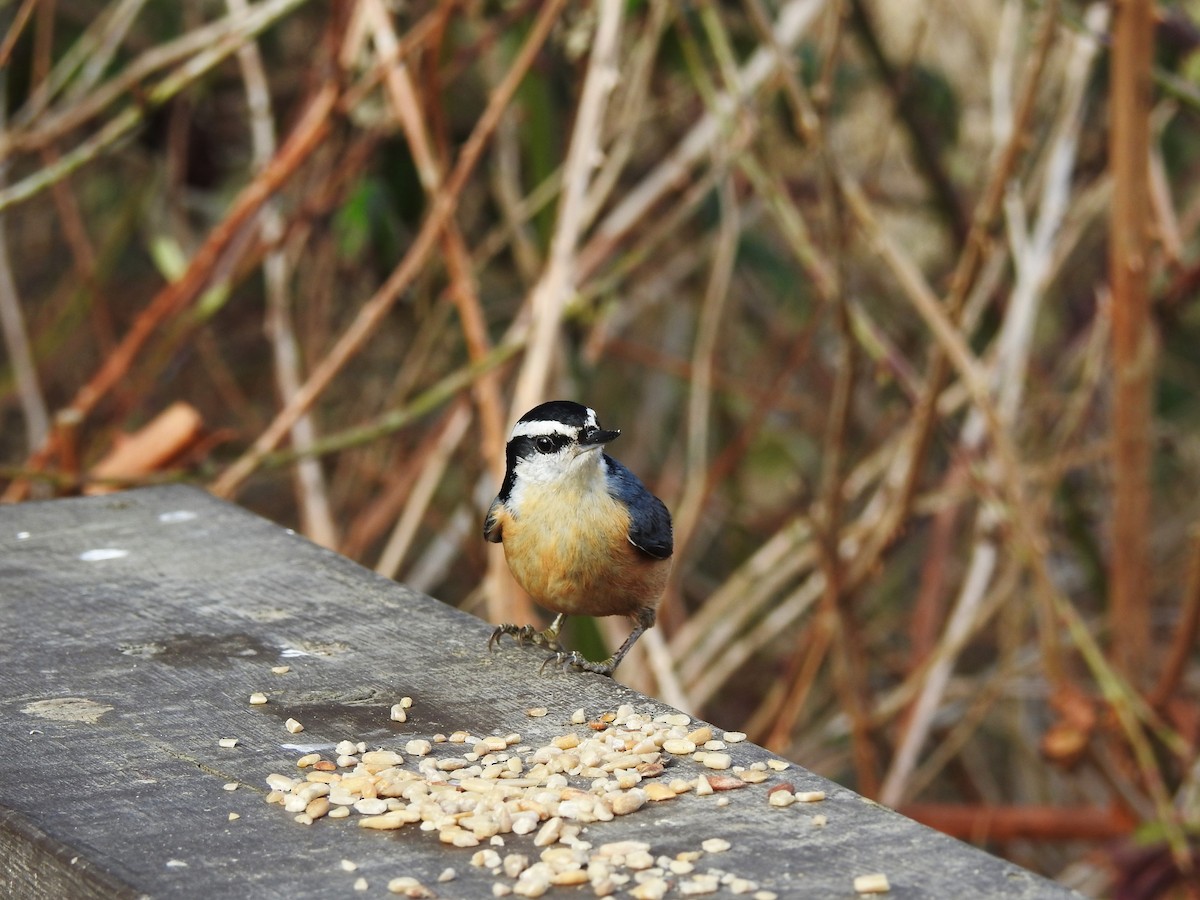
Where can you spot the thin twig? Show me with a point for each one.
(452, 432)
(16, 339)
(557, 284)
(699, 411)
(1183, 640)
(124, 122)
(1133, 338)
(791, 24)
(373, 311)
(1032, 255)
(312, 498)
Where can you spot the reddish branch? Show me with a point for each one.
(312, 128)
(1007, 823)
(1132, 339)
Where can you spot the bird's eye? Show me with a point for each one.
(544, 444)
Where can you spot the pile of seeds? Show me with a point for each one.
(475, 791)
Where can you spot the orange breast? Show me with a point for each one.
(575, 558)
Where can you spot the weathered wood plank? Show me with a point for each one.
(137, 626)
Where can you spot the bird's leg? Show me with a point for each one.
(643, 621)
(527, 634)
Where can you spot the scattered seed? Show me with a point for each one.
(720, 782)
(679, 746)
(227, 742)
(658, 791)
(360, 883)
(778, 764)
(514, 864)
(371, 806)
(650, 889)
(486, 859)
(233, 817)
(553, 792)
(281, 670)
(382, 759)
(293, 726)
(629, 801)
(699, 885)
(389, 821)
(398, 713)
(810, 796)
(819, 820)
(717, 760)
(408, 886)
(875, 883)
(532, 883)
(230, 786)
(447, 874)
(349, 865)
(257, 699)
(548, 833)
(317, 808)
(701, 735)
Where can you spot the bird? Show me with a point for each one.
(581, 533)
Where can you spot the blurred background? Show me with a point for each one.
(893, 303)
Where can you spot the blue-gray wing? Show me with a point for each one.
(649, 518)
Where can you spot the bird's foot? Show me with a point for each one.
(571, 659)
(527, 634)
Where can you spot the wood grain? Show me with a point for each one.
(137, 625)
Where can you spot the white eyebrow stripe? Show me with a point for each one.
(535, 428)
(591, 418)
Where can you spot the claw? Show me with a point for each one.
(527, 634)
(573, 660)
(523, 634)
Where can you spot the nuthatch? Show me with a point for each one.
(581, 533)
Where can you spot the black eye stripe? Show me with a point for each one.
(531, 445)
(550, 443)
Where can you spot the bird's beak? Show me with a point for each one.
(598, 438)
